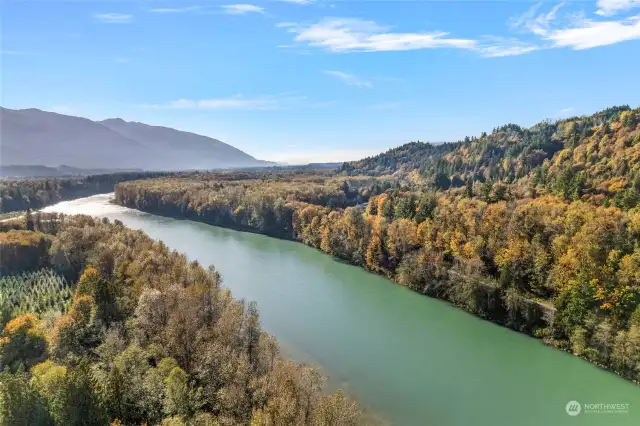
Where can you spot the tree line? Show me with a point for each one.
(149, 338)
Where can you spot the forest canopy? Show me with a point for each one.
(118, 329)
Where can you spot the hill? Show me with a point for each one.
(595, 157)
(35, 137)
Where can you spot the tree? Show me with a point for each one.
(74, 332)
(252, 332)
(29, 224)
(375, 253)
(337, 410)
(104, 295)
(405, 208)
(20, 404)
(81, 403)
(22, 343)
(425, 208)
(441, 181)
(50, 381)
(179, 398)
(401, 239)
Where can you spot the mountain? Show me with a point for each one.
(36, 137)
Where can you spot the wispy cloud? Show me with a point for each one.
(565, 112)
(176, 9)
(356, 35)
(495, 47)
(241, 9)
(596, 33)
(121, 60)
(113, 18)
(611, 7)
(536, 24)
(577, 33)
(349, 79)
(342, 35)
(237, 102)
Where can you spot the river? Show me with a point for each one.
(409, 359)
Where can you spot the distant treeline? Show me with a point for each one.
(23, 194)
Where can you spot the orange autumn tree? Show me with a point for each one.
(22, 343)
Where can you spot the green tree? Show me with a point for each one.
(20, 403)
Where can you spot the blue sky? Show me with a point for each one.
(305, 80)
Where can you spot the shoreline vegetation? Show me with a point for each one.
(535, 229)
(103, 325)
(22, 194)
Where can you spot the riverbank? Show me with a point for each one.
(471, 293)
(414, 360)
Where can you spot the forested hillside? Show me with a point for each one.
(117, 329)
(595, 158)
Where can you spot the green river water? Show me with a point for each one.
(408, 359)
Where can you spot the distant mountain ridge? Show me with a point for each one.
(36, 137)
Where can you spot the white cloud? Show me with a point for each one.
(113, 18)
(237, 102)
(494, 47)
(538, 25)
(611, 7)
(349, 79)
(176, 9)
(342, 35)
(576, 32)
(241, 9)
(121, 60)
(596, 33)
(356, 35)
